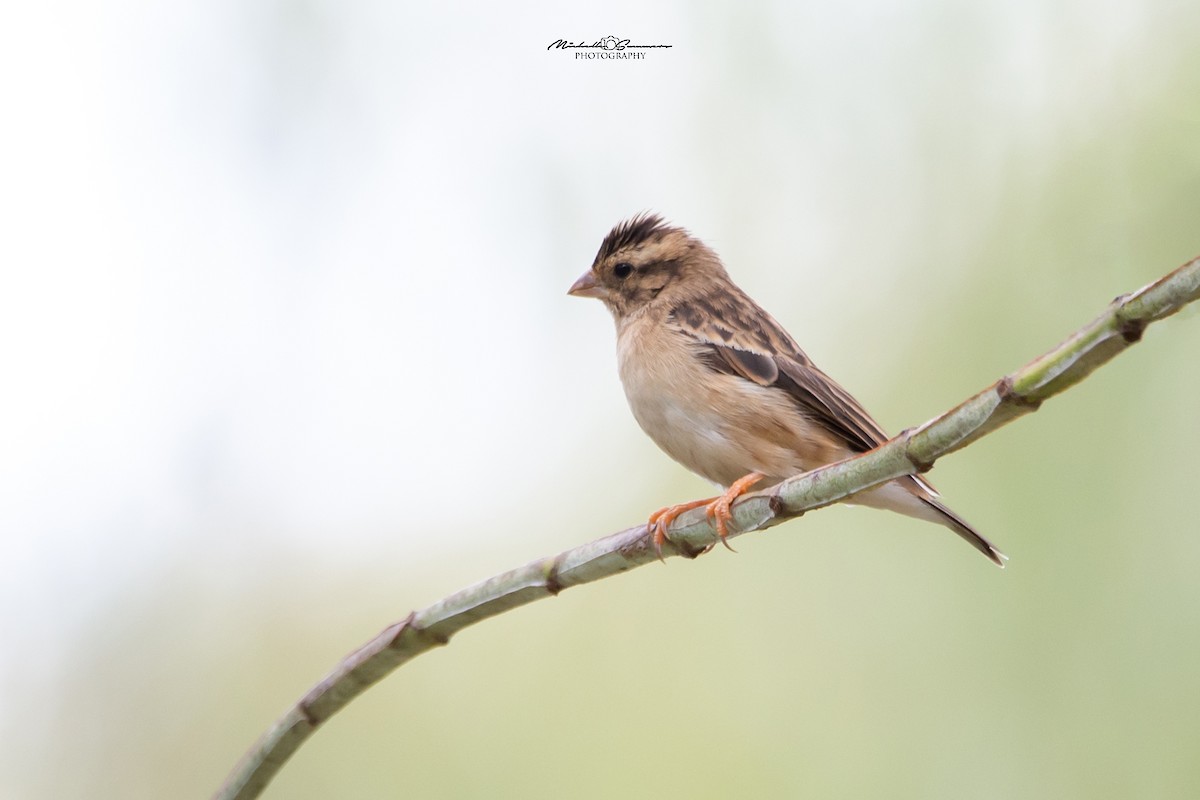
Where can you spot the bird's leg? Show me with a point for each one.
(718, 509)
(661, 520)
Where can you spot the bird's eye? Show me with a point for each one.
(623, 270)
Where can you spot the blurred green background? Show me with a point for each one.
(287, 353)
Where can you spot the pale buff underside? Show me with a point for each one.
(722, 426)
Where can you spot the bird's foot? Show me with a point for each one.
(718, 510)
(661, 520)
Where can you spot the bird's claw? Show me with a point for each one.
(719, 516)
(720, 512)
(717, 509)
(661, 520)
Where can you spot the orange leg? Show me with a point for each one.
(717, 509)
(661, 520)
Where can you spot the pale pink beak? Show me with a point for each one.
(586, 286)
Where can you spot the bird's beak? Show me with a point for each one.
(586, 286)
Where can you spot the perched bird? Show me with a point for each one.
(722, 388)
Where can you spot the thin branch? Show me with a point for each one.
(913, 451)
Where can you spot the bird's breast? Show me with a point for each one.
(719, 426)
(665, 392)
(682, 404)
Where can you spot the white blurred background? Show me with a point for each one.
(286, 352)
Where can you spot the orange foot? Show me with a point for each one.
(717, 509)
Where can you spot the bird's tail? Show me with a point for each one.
(954, 522)
(914, 497)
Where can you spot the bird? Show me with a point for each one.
(723, 389)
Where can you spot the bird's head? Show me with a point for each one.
(644, 260)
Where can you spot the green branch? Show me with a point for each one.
(915, 450)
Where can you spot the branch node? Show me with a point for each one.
(1131, 329)
(304, 710)
(779, 507)
(775, 504)
(906, 436)
(919, 465)
(401, 626)
(644, 544)
(1007, 394)
(410, 623)
(553, 565)
(690, 552)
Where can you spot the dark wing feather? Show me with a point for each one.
(836, 410)
(752, 366)
(739, 338)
